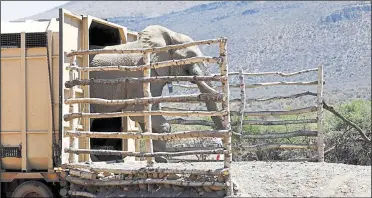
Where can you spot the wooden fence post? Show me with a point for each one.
(226, 119)
(242, 104)
(73, 109)
(147, 107)
(320, 138)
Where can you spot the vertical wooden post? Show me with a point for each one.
(147, 119)
(226, 119)
(23, 102)
(72, 109)
(320, 137)
(85, 142)
(242, 103)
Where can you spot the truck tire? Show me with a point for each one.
(32, 189)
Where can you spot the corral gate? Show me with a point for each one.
(79, 177)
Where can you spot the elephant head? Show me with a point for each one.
(158, 36)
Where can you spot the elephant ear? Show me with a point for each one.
(159, 36)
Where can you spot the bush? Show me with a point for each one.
(349, 147)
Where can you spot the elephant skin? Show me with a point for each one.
(151, 36)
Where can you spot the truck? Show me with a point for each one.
(32, 78)
(43, 154)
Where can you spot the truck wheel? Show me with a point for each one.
(32, 189)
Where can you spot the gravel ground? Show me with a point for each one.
(280, 179)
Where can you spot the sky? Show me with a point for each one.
(13, 10)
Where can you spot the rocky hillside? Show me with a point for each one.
(266, 36)
(108, 9)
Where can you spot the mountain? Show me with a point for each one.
(107, 9)
(263, 36)
(284, 36)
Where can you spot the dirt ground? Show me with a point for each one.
(278, 179)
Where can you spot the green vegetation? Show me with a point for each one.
(344, 144)
(349, 147)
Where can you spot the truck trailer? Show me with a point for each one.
(32, 93)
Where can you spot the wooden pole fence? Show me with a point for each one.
(276, 146)
(152, 100)
(76, 180)
(277, 113)
(70, 116)
(147, 135)
(141, 154)
(146, 79)
(144, 50)
(169, 63)
(275, 73)
(280, 135)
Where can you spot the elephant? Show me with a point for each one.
(149, 37)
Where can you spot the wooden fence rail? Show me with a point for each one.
(241, 113)
(147, 101)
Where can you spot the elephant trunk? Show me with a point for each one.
(211, 106)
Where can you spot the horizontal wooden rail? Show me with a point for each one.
(259, 113)
(275, 73)
(149, 100)
(276, 113)
(169, 63)
(71, 116)
(280, 135)
(245, 122)
(275, 146)
(144, 50)
(307, 93)
(255, 85)
(190, 122)
(123, 170)
(190, 148)
(81, 194)
(141, 154)
(181, 182)
(278, 122)
(154, 136)
(69, 84)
